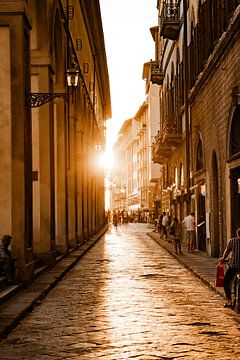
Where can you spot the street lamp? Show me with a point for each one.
(98, 147)
(39, 99)
(73, 75)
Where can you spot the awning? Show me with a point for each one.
(200, 183)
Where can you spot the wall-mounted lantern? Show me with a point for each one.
(98, 147)
(39, 99)
(73, 75)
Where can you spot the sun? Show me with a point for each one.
(105, 160)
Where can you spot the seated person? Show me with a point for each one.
(7, 262)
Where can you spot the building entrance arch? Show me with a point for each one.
(215, 206)
(234, 160)
(235, 199)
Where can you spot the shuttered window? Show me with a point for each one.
(235, 133)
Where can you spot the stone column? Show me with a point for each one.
(60, 181)
(5, 134)
(94, 203)
(80, 172)
(90, 193)
(43, 165)
(72, 236)
(86, 190)
(15, 159)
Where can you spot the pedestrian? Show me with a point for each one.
(175, 231)
(115, 219)
(160, 224)
(190, 226)
(125, 217)
(164, 225)
(169, 221)
(119, 215)
(131, 216)
(233, 247)
(7, 262)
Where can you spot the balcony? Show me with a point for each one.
(170, 22)
(172, 131)
(160, 151)
(156, 73)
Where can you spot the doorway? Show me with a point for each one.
(235, 200)
(201, 220)
(215, 207)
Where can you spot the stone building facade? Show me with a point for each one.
(134, 176)
(52, 193)
(124, 175)
(198, 142)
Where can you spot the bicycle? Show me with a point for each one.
(236, 292)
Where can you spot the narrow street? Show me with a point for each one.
(127, 298)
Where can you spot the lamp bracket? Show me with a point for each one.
(39, 99)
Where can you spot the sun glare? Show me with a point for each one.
(106, 160)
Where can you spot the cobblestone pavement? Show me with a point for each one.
(127, 299)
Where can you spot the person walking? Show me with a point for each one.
(175, 231)
(190, 226)
(233, 248)
(156, 225)
(115, 219)
(164, 225)
(169, 221)
(160, 224)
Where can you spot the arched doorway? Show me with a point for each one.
(200, 198)
(235, 199)
(215, 206)
(201, 218)
(234, 154)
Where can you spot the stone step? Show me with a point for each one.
(8, 291)
(2, 282)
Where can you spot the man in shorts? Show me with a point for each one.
(190, 226)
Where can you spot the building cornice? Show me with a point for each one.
(141, 110)
(17, 7)
(93, 22)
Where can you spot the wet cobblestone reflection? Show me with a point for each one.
(127, 298)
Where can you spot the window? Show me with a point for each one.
(199, 156)
(235, 133)
(176, 177)
(181, 175)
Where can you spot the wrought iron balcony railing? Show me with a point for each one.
(172, 130)
(160, 151)
(156, 73)
(170, 23)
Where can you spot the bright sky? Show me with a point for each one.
(129, 44)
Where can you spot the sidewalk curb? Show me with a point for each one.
(47, 281)
(187, 266)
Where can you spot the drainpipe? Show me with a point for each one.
(66, 134)
(94, 82)
(186, 102)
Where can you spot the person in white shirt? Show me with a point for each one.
(190, 226)
(164, 225)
